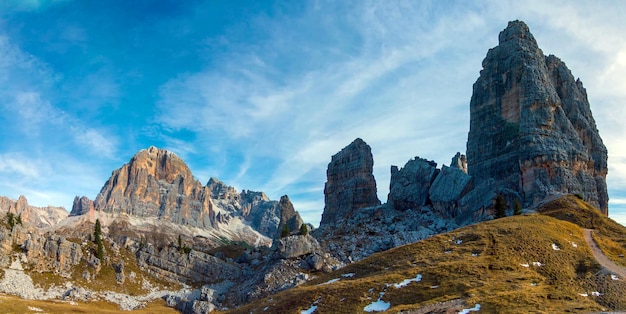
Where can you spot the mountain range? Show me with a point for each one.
(154, 232)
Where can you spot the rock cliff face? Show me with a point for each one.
(39, 217)
(81, 206)
(157, 183)
(531, 128)
(350, 183)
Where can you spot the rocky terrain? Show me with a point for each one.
(534, 263)
(532, 136)
(39, 217)
(531, 128)
(155, 232)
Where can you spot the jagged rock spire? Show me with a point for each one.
(531, 128)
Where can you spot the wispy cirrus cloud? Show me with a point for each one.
(398, 75)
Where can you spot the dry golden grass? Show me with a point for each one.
(12, 304)
(610, 235)
(484, 267)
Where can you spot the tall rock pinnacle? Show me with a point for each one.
(350, 182)
(531, 127)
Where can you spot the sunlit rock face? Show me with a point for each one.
(157, 183)
(531, 127)
(39, 217)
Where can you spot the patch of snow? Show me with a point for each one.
(474, 254)
(309, 310)
(525, 265)
(348, 275)
(583, 295)
(533, 284)
(614, 277)
(265, 308)
(476, 308)
(448, 251)
(35, 309)
(408, 281)
(330, 281)
(574, 244)
(459, 241)
(538, 264)
(596, 293)
(434, 287)
(555, 247)
(378, 306)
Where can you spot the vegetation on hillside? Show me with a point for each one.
(524, 263)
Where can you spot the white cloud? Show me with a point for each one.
(11, 163)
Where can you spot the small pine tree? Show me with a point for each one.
(11, 219)
(285, 231)
(97, 233)
(500, 207)
(180, 242)
(304, 230)
(18, 220)
(517, 208)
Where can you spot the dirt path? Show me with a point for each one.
(601, 258)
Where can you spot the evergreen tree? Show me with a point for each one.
(285, 231)
(180, 242)
(11, 220)
(517, 208)
(500, 207)
(304, 230)
(97, 234)
(18, 220)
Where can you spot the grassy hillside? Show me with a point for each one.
(12, 304)
(610, 236)
(491, 264)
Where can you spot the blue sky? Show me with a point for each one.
(261, 94)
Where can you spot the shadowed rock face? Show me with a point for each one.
(531, 127)
(350, 182)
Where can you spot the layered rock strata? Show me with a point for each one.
(531, 127)
(158, 184)
(350, 182)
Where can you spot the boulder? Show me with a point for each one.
(296, 245)
(409, 186)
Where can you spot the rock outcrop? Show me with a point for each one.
(351, 184)
(82, 206)
(288, 215)
(409, 186)
(157, 183)
(39, 217)
(52, 253)
(198, 267)
(531, 127)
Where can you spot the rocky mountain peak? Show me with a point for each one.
(157, 183)
(532, 133)
(160, 163)
(517, 31)
(39, 217)
(219, 190)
